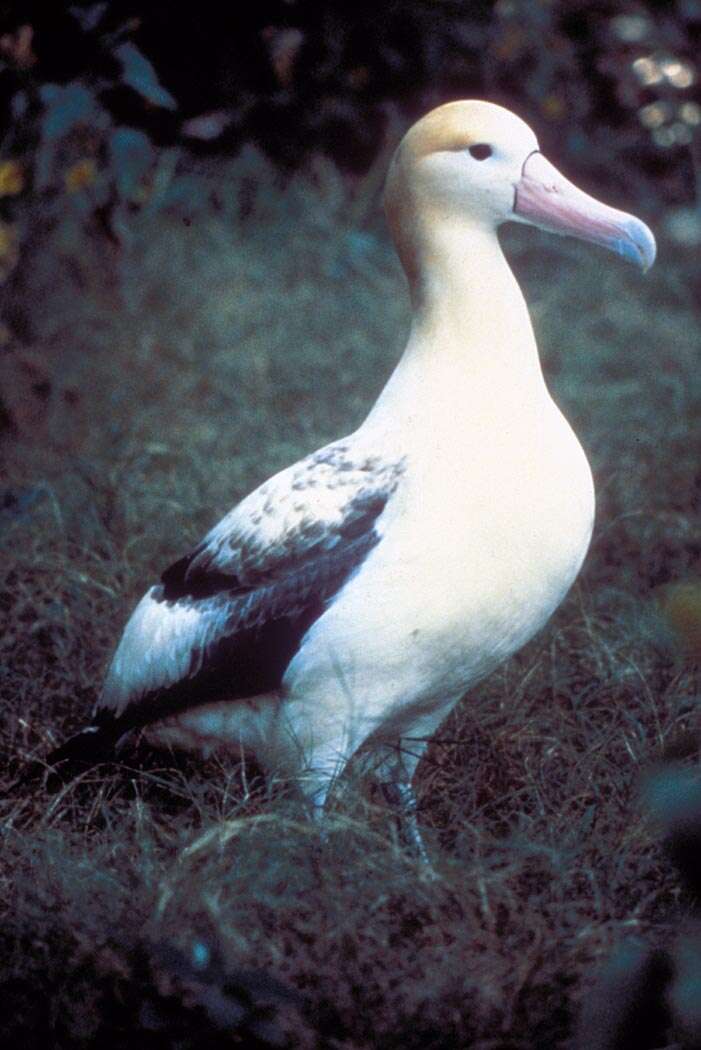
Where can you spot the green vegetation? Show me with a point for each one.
(158, 382)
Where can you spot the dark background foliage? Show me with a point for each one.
(94, 95)
(614, 85)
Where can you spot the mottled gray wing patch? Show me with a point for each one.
(327, 499)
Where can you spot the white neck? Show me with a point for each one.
(471, 348)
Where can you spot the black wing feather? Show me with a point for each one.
(182, 579)
(264, 628)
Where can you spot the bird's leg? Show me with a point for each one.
(394, 772)
(316, 783)
(395, 776)
(401, 796)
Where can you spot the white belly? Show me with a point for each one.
(472, 564)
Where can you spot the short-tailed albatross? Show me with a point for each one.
(355, 597)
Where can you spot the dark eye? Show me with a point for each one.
(480, 151)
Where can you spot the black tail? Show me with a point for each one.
(89, 747)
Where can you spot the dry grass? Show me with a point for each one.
(161, 382)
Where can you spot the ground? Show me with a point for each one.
(161, 374)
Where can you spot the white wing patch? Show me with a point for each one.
(156, 647)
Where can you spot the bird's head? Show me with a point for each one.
(477, 161)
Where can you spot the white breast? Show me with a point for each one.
(478, 549)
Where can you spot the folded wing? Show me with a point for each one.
(225, 621)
